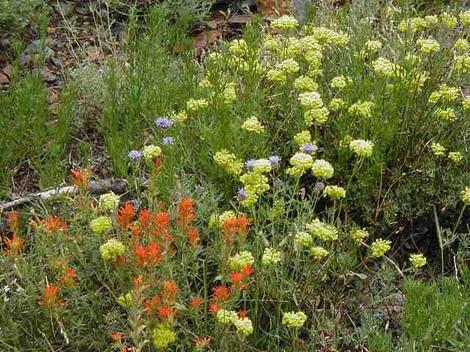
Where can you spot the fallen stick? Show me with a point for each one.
(118, 186)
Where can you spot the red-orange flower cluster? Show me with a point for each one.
(69, 278)
(238, 278)
(50, 297)
(80, 178)
(148, 255)
(186, 212)
(233, 227)
(126, 214)
(53, 224)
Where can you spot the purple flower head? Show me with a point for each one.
(163, 122)
(241, 194)
(319, 186)
(309, 148)
(274, 160)
(277, 183)
(250, 164)
(168, 140)
(134, 155)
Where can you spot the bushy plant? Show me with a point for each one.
(16, 14)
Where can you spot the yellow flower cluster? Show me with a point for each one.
(418, 260)
(379, 247)
(101, 225)
(300, 162)
(361, 109)
(112, 249)
(109, 201)
(318, 252)
(322, 169)
(271, 256)
(255, 183)
(305, 84)
(252, 125)
(294, 319)
(462, 63)
(163, 336)
(196, 105)
(462, 45)
(465, 195)
(244, 326)
(323, 231)
(438, 149)
(240, 260)
(446, 115)
(444, 94)
(362, 148)
(217, 220)
(229, 162)
(303, 239)
(384, 67)
(456, 157)
(125, 301)
(428, 45)
(285, 23)
(151, 152)
(340, 82)
(358, 235)
(327, 37)
(283, 70)
(229, 317)
(334, 192)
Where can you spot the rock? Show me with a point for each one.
(7, 70)
(4, 79)
(56, 61)
(83, 10)
(48, 76)
(65, 9)
(25, 59)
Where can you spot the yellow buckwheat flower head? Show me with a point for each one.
(240, 260)
(276, 75)
(229, 162)
(328, 37)
(294, 319)
(412, 25)
(300, 162)
(226, 317)
(428, 45)
(336, 104)
(384, 67)
(437, 149)
(125, 301)
(217, 220)
(305, 84)
(444, 94)
(229, 94)
(317, 116)
(358, 235)
(272, 43)
(322, 169)
(465, 195)
(431, 21)
(323, 231)
(311, 100)
(196, 105)
(465, 17)
(101, 225)
(417, 260)
(303, 137)
(361, 109)
(462, 45)
(260, 166)
(340, 82)
(448, 20)
(362, 148)
(109, 201)
(462, 63)
(284, 23)
(163, 336)
(289, 66)
(294, 47)
(379, 247)
(112, 249)
(456, 157)
(255, 182)
(373, 46)
(466, 103)
(244, 326)
(253, 125)
(446, 115)
(238, 47)
(271, 256)
(151, 152)
(303, 239)
(319, 252)
(334, 192)
(179, 117)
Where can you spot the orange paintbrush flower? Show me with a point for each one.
(50, 297)
(126, 214)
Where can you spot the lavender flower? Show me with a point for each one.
(134, 155)
(241, 194)
(168, 140)
(163, 122)
(319, 186)
(277, 183)
(274, 160)
(309, 148)
(250, 164)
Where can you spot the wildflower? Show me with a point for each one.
(109, 201)
(305, 84)
(285, 23)
(294, 319)
(218, 220)
(362, 148)
(255, 184)
(288, 67)
(340, 82)
(163, 122)
(244, 326)
(53, 224)
(336, 104)
(462, 63)
(201, 342)
(431, 21)
(428, 45)
(448, 20)
(236, 226)
(276, 75)
(384, 67)
(163, 336)
(318, 252)
(319, 116)
(134, 155)
(80, 178)
(445, 115)
(309, 148)
(323, 231)
(327, 37)
(456, 157)
(465, 17)
(229, 162)
(334, 192)
(112, 249)
(274, 160)
(412, 25)
(303, 239)
(196, 302)
(252, 125)
(379, 247)
(186, 212)
(14, 244)
(322, 169)
(437, 149)
(221, 293)
(444, 94)
(240, 260)
(196, 105)
(465, 195)
(69, 278)
(462, 45)
(358, 235)
(372, 46)
(271, 256)
(300, 162)
(180, 117)
(318, 187)
(466, 103)
(151, 152)
(125, 301)
(238, 47)
(303, 137)
(193, 237)
(226, 317)
(311, 100)
(169, 291)
(50, 297)
(417, 260)
(101, 225)
(126, 214)
(361, 109)
(148, 255)
(168, 140)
